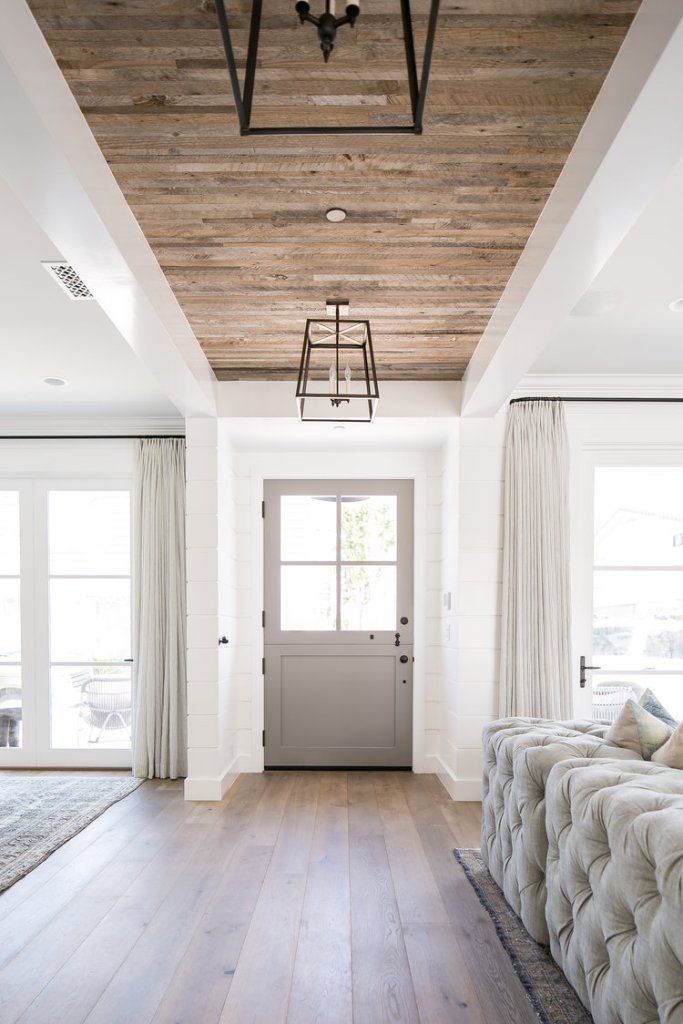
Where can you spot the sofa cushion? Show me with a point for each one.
(638, 730)
(615, 878)
(671, 753)
(648, 701)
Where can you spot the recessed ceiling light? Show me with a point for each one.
(336, 214)
(339, 427)
(596, 303)
(676, 306)
(55, 382)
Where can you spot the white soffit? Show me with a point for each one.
(45, 333)
(51, 160)
(629, 145)
(411, 416)
(637, 332)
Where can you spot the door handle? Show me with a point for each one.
(223, 640)
(583, 668)
(397, 641)
(403, 659)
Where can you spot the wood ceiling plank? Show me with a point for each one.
(436, 223)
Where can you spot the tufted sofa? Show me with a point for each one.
(615, 887)
(519, 754)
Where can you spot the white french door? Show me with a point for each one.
(65, 634)
(628, 607)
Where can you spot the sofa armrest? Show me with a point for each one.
(615, 879)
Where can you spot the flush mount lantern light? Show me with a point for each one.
(327, 24)
(337, 376)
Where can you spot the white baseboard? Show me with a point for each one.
(428, 764)
(213, 789)
(457, 789)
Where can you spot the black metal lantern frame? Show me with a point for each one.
(340, 337)
(243, 97)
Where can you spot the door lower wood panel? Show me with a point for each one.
(338, 707)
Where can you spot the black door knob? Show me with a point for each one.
(223, 640)
(404, 620)
(403, 659)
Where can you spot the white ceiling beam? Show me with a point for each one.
(631, 141)
(50, 159)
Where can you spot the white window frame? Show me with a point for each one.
(591, 457)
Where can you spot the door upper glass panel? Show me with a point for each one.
(308, 595)
(338, 562)
(10, 620)
(639, 515)
(308, 528)
(368, 597)
(9, 533)
(369, 528)
(89, 533)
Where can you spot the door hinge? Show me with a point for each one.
(263, 666)
(263, 619)
(263, 738)
(263, 510)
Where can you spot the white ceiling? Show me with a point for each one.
(623, 324)
(43, 333)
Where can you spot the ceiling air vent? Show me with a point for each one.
(68, 280)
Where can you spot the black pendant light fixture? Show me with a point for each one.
(327, 24)
(337, 376)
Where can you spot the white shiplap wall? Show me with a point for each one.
(457, 544)
(212, 606)
(472, 494)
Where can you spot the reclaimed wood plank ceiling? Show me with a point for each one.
(435, 222)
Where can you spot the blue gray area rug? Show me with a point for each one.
(553, 999)
(40, 812)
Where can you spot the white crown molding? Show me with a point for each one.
(44, 426)
(596, 385)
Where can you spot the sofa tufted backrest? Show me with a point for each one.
(615, 887)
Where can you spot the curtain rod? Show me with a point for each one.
(607, 398)
(89, 437)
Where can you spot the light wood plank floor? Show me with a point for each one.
(303, 898)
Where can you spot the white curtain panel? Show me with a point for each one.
(159, 733)
(536, 624)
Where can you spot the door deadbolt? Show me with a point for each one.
(403, 659)
(404, 620)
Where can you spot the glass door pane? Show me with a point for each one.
(11, 702)
(339, 561)
(637, 609)
(90, 619)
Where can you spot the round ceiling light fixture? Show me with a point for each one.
(676, 306)
(55, 382)
(336, 215)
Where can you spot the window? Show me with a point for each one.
(638, 579)
(90, 618)
(338, 562)
(10, 622)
